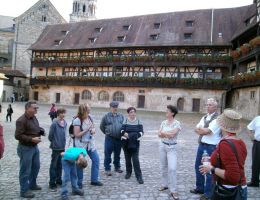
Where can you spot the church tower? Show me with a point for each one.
(83, 10)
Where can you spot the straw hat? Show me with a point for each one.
(229, 121)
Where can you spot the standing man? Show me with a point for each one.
(209, 136)
(254, 131)
(28, 133)
(111, 125)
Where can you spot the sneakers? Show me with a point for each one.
(27, 194)
(119, 170)
(78, 192)
(195, 191)
(140, 180)
(53, 188)
(127, 176)
(251, 184)
(98, 183)
(108, 173)
(203, 197)
(64, 197)
(36, 187)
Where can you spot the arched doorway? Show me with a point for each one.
(180, 104)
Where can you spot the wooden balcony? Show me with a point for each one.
(245, 80)
(181, 60)
(152, 82)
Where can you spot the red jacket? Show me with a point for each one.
(228, 162)
(2, 144)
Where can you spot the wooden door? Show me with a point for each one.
(76, 98)
(141, 101)
(195, 105)
(180, 104)
(57, 97)
(36, 96)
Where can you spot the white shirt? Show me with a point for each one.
(215, 135)
(169, 127)
(254, 125)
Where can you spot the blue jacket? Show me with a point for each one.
(73, 153)
(57, 135)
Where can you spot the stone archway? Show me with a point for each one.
(180, 104)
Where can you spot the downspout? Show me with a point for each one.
(15, 46)
(212, 25)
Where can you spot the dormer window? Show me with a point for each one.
(189, 23)
(157, 25)
(64, 32)
(92, 40)
(57, 42)
(220, 35)
(121, 38)
(43, 18)
(98, 29)
(154, 36)
(187, 36)
(126, 27)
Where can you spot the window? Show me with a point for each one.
(157, 25)
(126, 27)
(53, 72)
(252, 94)
(189, 23)
(169, 98)
(121, 38)
(64, 32)
(103, 96)
(92, 40)
(84, 8)
(118, 71)
(187, 36)
(86, 94)
(57, 42)
(141, 91)
(43, 18)
(118, 96)
(154, 36)
(220, 35)
(98, 29)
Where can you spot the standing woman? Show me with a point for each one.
(53, 111)
(231, 171)
(84, 132)
(132, 131)
(168, 133)
(9, 113)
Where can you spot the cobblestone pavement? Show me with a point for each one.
(115, 187)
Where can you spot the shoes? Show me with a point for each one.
(119, 170)
(80, 186)
(140, 180)
(174, 196)
(163, 188)
(27, 194)
(98, 183)
(251, 184)
(78, 192)
(64, 197)
(127, 176)
(108, 173)
(203, 197)
(53, 188)
(195, 191)
(36, 187)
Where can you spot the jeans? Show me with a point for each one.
(94, 168)
(112, 145)
(9, 116)
(244, 193)
(29, 166)
(69, 174)
(132, 156)
(55, 168)
(168, 159)
(201, 185)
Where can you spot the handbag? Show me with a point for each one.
(221, 192)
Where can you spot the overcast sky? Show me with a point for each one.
(122, 8)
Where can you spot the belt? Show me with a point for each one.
(206, 144)
(169, 144)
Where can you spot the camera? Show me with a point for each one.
(42, 131)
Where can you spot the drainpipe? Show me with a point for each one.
(212, 25)
(15, 45)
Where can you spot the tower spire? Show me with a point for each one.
(83, 10)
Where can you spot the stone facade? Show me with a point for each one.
(154, 98)
(28, 28)
(83, 10)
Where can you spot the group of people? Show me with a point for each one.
(216, 132)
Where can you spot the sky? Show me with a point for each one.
(123, 8)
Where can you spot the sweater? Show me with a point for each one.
(57, 135)
(73, 153)
(228, 162)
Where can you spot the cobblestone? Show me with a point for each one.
(115, 187)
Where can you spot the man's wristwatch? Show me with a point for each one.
(212, 170)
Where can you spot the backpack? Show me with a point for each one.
(71, 127)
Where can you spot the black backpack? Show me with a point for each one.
(71, 127)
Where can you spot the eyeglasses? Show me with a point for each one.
(35, 108)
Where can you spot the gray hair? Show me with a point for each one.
(212, 100)
(29, 103)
